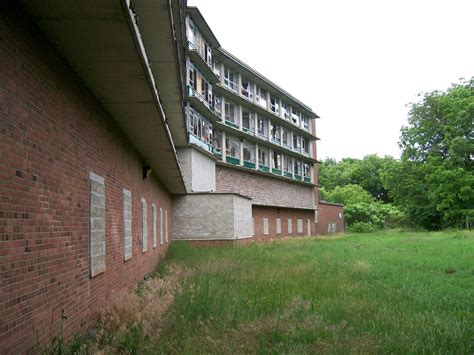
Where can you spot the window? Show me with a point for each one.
(127, 224)
(286, 164)
(96, 224)
(208, 54)
(307, 170)
(278, 226)
(217, 141)
(297, 167)
(230, 112)
(295, 116)
(232, 147)
(305, 145)
(144, 226)
(218, 106)
(248, 120)
(153, 209)
(290, 226)
(265, 226)
(274, 105)
(275, 132)
(262, 156)
(296, 142)
(285, 110)
(285, 136)
(262, 127)
(299, 225)
(249, 152)
(276, 160)
(199, 127)
(166, 226)
(230, 79)
(216, 68)
(192, 76)
(305, 121)
(161, 226)
(261, 96)
(247, 89)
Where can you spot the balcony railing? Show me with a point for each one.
(231, 84)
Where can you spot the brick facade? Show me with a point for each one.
(53, 133)
(330, 218)
(264, 190)
(259, 213)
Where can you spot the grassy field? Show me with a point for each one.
(387, 292)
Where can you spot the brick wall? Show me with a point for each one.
(53, 133)
(328, 217)
(259, 213)
(263, 190)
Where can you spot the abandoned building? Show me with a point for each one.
(125, 125)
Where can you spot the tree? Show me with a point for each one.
(434, 182)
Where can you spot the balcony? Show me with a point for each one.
(232, 160)
(200, 102)
(199, 61)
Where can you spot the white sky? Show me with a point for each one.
(355, 63)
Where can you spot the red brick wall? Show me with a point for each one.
(272, 213)
(263, 190)
(52, 134)
(327, 214)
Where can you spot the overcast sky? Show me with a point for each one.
(355, 63)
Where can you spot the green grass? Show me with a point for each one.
(386, 292)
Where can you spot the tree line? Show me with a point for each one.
(431, 186)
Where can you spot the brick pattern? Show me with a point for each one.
(263, 190)
(328, 219)
(53, 133)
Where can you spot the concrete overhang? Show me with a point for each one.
(234, 63)
(102, 43)
(164, 50)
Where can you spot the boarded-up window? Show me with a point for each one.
(265, 226)
(253, 226)
(97, 225)
(316, 215)
(299, 225)
(278, 226)
(166, 226)
(144, 226)
(161, 226)
(290, 226)
(308, 225)
(153, 208)
(127, 224)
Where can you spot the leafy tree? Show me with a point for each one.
(434, 184)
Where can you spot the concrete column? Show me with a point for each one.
(222, 73)
(239, 83)
(256, 124)
(292, 166)
(281, 108)
(268, 101)
(241, 145)
(223, 147)
(239, 116)
(270, 158)
(281, 135)
(256, 156)
(223, 108)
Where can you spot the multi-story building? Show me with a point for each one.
(258, 139)
(123, 126)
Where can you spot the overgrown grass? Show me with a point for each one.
(385, 292)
